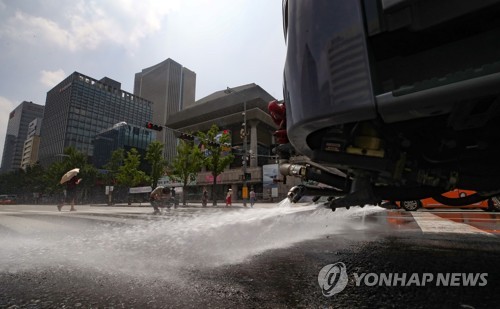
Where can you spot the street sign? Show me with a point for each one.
(140, 190)
(109, 189)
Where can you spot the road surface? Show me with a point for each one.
(266, 257)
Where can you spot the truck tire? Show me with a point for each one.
(411, 205)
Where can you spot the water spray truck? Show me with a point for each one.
(390, 100)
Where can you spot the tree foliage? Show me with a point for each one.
(72, 158)
(112, 169)
(46, 180)
(123, 169)
(215, 160)
(12, 182)
(154, 155)
(129, 174)
(34, 178)
(87, 171)
(186, 164)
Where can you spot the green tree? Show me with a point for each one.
(112, 169)
(46, 180)
(22, 183)
(52, 177)
(72, 158)
(34, 179)
(186, 164)
(129, 174)
(215, 161)
(154, 155)
(13, 182)
(34, 175)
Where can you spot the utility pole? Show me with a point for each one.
(244, 191)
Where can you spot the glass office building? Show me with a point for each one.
(80, 107)
(124, 136)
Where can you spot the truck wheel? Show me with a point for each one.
(411, 205)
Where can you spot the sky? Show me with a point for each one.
(227, 43)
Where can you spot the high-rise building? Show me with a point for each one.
(80, 107)
(31, 144)
(17, 129)
(171, 88)
(121, 135)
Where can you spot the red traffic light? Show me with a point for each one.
(153, 126)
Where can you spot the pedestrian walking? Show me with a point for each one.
(172, 197)
(70, 180)
(252, 198)
(157, 198)
(228, 197)
(204, 198)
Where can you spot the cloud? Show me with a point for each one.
(6, 106)
(146, 16)
(87, 25)
(51, 78)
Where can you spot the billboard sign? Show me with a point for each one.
(270, 172)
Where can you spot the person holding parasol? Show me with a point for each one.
(70, 180)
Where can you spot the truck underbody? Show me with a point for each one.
(391, 100)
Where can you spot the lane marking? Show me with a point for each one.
(18, 223)
(131, 221)
(430, 223)
(28, 226)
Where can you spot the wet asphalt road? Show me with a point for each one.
(281, 274)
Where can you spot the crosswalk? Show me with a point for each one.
(431, 223)
(452, 222)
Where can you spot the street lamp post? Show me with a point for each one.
(61, 155)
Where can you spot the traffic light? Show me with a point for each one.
(186, 136)
(153, 126)
(212, 144)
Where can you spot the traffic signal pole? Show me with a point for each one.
(244, 191)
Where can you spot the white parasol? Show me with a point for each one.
(69, 174)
